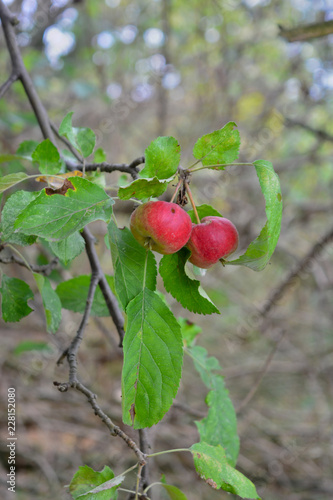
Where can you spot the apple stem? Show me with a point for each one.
(176, 191)
(192, 201)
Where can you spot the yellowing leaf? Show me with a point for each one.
(57, 181)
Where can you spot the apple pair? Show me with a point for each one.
(165, 228)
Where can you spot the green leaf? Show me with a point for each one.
(58, 216)
(129, 258)
(23, 152)
(88, 484)
(26, 148)
(162, 158)
(204, 365)
(31, 345)
(218, 147)
(261, 249)
(220, 425)
(211, 464)
(153, 354)
(143, 188)
(97, 178)
(122, 180)
(10, 180)
(203, 211)
(186, 290)
(73, 294)
(68, 155)
(15, 296)
(14, 205)
(173, 492)
(189, 331)
(51, 303)
(69, 248)
(86, 139)
(67, 130)
(99, 156)
(83, 139)
(48, 157)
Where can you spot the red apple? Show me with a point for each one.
(213, 239)
(161, 226)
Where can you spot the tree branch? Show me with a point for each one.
(19, 69)
(106, 332)
(6, 86)
(97, 277)
(145, 448)
(76, 342)
(114, 429)
(45, 269)
(307, 31)
(263, 372)
(321, 134)
(109, 298)
(278, 293)
(44, 123)
(187, 409)
(128, 168)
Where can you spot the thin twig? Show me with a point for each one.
(128, 168)
(110, 299)
(263, 372)
(143, 472)
(97, 277)
(105, 331)
(314, 251)
(7, 84)
(132, 493)
(138, 481)
(187, 409)
(45, 269)
(321, 134)
(114, 429)
(19, 69)
(145, 448)
(76, 342)
(96, 272)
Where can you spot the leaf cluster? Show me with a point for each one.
(154, 342)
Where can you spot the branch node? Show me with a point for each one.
(13, 20)
(62, 386)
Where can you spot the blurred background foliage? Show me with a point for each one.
(132, 71)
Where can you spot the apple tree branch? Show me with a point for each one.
(19, 72)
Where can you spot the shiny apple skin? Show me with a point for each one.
(161, 226)
(213, 239)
